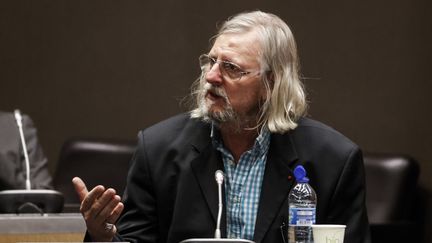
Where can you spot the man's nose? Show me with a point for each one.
(214, 75)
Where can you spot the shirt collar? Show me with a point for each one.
(262, 142)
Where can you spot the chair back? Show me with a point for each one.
(392, 198)
(391, 187)
(96, 161)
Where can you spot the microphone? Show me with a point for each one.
(219, 180)
(18, 119)
(29, 200)
(219, 176)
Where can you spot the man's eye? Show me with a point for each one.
(212, 61)
(230, 67)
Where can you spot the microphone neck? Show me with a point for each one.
(219, 180)
(18, 119)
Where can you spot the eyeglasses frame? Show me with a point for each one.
(213, 61)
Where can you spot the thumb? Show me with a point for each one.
(80, 188)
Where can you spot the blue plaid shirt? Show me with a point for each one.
(243, 185)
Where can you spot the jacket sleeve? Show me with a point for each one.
(139, 221)
(348, 201)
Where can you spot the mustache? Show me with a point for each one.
(219, 91)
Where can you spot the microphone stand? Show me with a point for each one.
(219, 180)
(219, 176)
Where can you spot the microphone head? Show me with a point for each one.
(18, 116)
(219, 175)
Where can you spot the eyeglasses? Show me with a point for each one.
(228, 69)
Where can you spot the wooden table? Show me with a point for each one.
(68, 227)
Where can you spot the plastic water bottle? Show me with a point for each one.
(302, 202)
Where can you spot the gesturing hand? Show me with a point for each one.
(100, 209)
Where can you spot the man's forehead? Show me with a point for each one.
(244, 43)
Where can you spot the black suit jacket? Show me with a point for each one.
(171, 192)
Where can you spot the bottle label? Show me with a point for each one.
(301, 216)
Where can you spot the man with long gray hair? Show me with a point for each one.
(248, 121)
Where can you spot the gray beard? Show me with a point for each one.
(228, 117)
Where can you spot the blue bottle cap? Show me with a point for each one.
(300, 174)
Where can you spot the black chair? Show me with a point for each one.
(391, 198)
(97, 162)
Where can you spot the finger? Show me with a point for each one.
(107, 210)
(115, 210)
(80, 188)
(110, 229)
(99, 206)
(116, 213)
(103, 233)
(114, 230)
(91, 198)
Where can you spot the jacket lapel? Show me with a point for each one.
(204, 167)
(277, 181)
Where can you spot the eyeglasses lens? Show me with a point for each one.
(228, 70)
